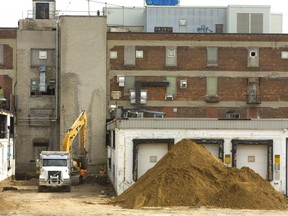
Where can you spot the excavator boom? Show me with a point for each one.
(78, 127)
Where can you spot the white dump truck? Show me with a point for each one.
(55, 168)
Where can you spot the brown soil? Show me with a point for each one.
(189, 175)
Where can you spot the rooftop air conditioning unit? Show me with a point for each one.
(233, 115)
(168, 97)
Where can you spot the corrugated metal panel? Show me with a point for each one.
(242, 22)
(172, 123)
(257, 23)
(196, 18)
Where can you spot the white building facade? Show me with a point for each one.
(136, 145)
(177, 19)
(7, 148)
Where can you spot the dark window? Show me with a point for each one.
(219, 28)
(54, 162)
(42, 10)
(49, 87)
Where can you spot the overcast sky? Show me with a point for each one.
(13, 10)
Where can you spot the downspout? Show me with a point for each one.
(57, 68)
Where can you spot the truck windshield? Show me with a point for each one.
(54, 162)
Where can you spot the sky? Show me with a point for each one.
(13, 10)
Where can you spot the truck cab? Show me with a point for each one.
(54, 170)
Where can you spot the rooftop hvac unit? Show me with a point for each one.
(121, 81)
(168, 97)
(233, 115)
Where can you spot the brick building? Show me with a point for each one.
(7, 67)
(201, 75)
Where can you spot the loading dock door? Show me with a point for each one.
(254, 157)
(213, 149)
(149, 155)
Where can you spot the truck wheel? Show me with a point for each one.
(68, 188)
(40, 188)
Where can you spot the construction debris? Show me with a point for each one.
(189, 175)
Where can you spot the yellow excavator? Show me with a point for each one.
(78, 127)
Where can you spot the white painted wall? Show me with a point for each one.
(7, 163)
(122, 155)
(276, 23)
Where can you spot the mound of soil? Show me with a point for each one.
(189, 175)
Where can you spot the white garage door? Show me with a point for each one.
(254, 157)
(149, 155)
(213, 149)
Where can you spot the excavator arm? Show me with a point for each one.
(78, 127)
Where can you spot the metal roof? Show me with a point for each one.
(192, 123)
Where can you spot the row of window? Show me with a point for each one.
(128, 85)
(131, 54)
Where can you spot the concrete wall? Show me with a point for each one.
(83, 80)
(36, 122)
(121, 172)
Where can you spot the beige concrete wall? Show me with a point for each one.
(83, 80)
(25, 132)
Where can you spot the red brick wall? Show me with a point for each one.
(193, 59)
(229, 59)
(8, 57)
(6, 84)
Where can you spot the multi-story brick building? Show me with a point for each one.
(201, 75)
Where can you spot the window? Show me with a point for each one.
(1, 54)
(212, 56)
(171, 56)
(42, 57)
(253, 96)
(49, 90)
(113, 54)
(54, 162)
(42, 10)
(284, 55)
(129, 55)
(212, 86)
(139, 53)
(219, 28)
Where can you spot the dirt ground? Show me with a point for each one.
(90, 198)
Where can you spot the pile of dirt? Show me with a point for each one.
(189, 175)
